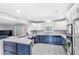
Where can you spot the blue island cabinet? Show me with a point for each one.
(24, 49)
(11, 48)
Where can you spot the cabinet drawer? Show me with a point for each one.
(10, 48)
(10, 43)
(8, 53)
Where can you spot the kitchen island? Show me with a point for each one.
(15, 46)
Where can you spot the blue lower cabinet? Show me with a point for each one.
(19, 49)
(9, 43)
(23, 49)
(50, 39)
(8, 53)
(36, 40)
(10, 48)
(42, 39)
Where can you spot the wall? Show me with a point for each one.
(20, 30)
(73, 13)
(5, 27)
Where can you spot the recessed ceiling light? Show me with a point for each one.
(18, 11)
(48, 21)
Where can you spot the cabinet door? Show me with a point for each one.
(50, 40)
(23, 49)
(10, 49)
(9, 43)
(42, 39)
(8, 53)
(36, 40)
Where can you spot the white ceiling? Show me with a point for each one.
(21, 12)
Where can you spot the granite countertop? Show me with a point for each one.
(23, 40)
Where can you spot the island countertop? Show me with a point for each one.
(23, 40)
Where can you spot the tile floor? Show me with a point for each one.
(47, 49)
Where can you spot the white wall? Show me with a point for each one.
(5, 27)
(20, 29)
(73, 13)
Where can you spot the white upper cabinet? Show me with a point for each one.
(37, 26)
(49, 28)
(59, 25)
